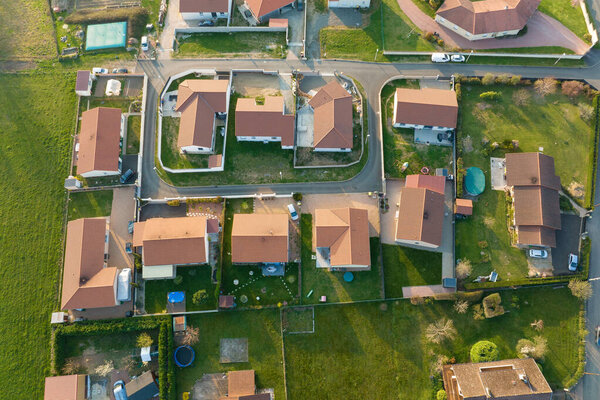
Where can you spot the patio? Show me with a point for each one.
(434, 137)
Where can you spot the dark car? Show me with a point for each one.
(130, 227)
(127, 176)
(207, 22)
(300, 5)
(122, 70)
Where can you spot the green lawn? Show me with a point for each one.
(570, 16)
(530, 50)
(366, 284)
(75, 346)
(134, 126)
(112, 102)
(385, 344)
(362, 43)
(96, 203)
(398, 144)
(194, 278)
(553, 123)
(172, 158)
(263, 330)
(239, 44)
(37, 123)
(425, 7)
(403, 266)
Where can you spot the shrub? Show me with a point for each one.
(535, 349)
(428, 36)
(545, 86)
(297, 196)
(483, 244)
(163, 361)
(144, 340)
(440, 42)
(491, 95)
(172, 382)
(503, 79)
(488, 79)
(521, 97)
(458, 90)
(461, 306)
(417, 300)
(491, 305)
(440, 330)
(200, 297)
(463, 269)
(586, 112)
(178, 279)
(173, 203)
(484, 351)
(514, 80)
(572, 88)
(136, 18)
(441, 395)
(478, 312)
(137, 262)
(580, 289)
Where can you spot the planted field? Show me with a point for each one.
(90, 204)
(35, 143)
(238, 44)
(26, 31)
(385, 343)
(403, 266)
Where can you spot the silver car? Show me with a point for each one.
(537, 253)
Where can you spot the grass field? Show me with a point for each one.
(263, 330)
(366, 284)
(398, 144)
(32, 205)
(553, 123)
(570, 16)
(26, 31)
(384, 343)
(403, 266)
(90, 204)
(239, 44)
(134, 126)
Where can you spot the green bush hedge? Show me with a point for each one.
(163, 355)
(171, 380)
(592, 158)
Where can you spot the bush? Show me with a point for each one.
(200, 297)
(163, 356)
(514, 80)
(440, 42)
(484, 351)
(488, 79)
(172, 382)
(535, 349)
(458, 90)
(173, 203)
(491, 305)
(503, 79)
(572, 88)
(178, 279)
(460, 174)
(491, 95)
(144, 340)
(463, 269)
(428, 36)
(545, 86)
(478, 312)
(297, 196)
(441, 395)
(586, 112)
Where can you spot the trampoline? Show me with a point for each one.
(106, 36)
(348, 276)
(184, 356)
(474, 181)
(176, 297)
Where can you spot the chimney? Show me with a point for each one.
(425, 215)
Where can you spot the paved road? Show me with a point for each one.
(371, 75)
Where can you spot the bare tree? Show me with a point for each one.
(572, 88)
(488, 79)
(191, 336)
(71, 367)
(545, 86)
(586, 112)
(440, 330)
(580, 289)
(538, 325)
(535, 348)
(417, 300)
(463, 269)
(461, 306)
(521, 97)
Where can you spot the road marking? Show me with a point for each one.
(594, 279)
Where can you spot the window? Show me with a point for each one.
(214, 15)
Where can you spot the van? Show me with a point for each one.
(126, 176)
(440, 58)
(293, 212)
(144, 43)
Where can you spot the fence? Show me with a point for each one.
(589, 24)
(232, 29)
(474, 54)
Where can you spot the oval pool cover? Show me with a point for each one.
(184, 356)
(474, 181)
(348, 276)
(176, 297)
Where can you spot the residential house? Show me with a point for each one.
(421, 211)
(166, 243)
(263, 10)
(260, 238)
(534, 188)
(193, 10)
(265, 123)
(87, 281)
(463, 207)
(143, 387)
(333, 123)
(476, 20)
(67, 387)
(515, 379)
(200, 102)
(99, 145)
(435, 109)
(83, 84)
(349, 3)
(342, 238)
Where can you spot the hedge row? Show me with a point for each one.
(593, 158)
(171, 380)
(581, 331)
(163, 355)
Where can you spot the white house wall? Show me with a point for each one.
(189, 16)
(469, 35)
(417, 243)
(350, 4)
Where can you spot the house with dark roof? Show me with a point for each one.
(421, 212)
(476, 20)
(193, 10)
(534, 188)
(260, 238)
(515, 379)
(200, 102)
(143, 387)
(333, 120)
(266, 122)
(83, 84)
(87, 281)
(99, 143)
(435, 109)
(342, 238)
(166, 243)
(67, 387)
(263, 10)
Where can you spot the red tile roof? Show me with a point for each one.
(66, 387)
(430, 107)
(434, 183)
(345, 231)
(463, 206)
(333, 124)
(203, 6)
(421, 216)
(260, 8)
(266, 120)
(99, 140)
(260, 238)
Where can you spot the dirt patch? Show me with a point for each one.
(576, 190)
(210, 387)
(467, 144)
(234, 350)
(488, 221)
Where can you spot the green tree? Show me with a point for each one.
(483, 351)
(200, 297)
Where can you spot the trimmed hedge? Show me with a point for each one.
(593, 158)
(171, 380)
(580, 352)
(163, 354)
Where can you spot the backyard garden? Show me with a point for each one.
(237, 44)
(404, 266)
(89, 204)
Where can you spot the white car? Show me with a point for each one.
(99, 70)
(144, 43)
(440, 58)
(536, 253)
(457, 58)
(293, 212)
(573, 262)
(119, 390)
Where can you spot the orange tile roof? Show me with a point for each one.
(278, 23)
(266, 120)
(433, 183)
(66, 387)
(260, 238)
(203, 6)
(260, 8)
(431, 107)
(198, 100)
(345, 231)
(215, 160)
(333, 124)
(421, 216)
(99, 140)
(536, 235)
(172, 241)
(531, 169)
(86, 283)
(463, 206)
(240, 383)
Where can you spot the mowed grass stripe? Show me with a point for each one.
(36, 124)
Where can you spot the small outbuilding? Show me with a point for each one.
(226, 301)
(113, 87)
(143, 387)
(83, 84)
(463, 207)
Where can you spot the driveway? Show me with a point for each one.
(173, 20)
(542, 30)
(567, 241)
(162, 210)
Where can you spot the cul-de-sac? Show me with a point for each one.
(299, 200)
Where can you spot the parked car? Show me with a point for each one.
(206, 22)
(127, 176)
(128, 248)
(293, 212)
(119, 390)
(300, 5)
(440, 58)
(121, 71)
(573, 262)
(144, 43)
(457, 58)
(537, 253)
(130, 227)
(98, 70)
